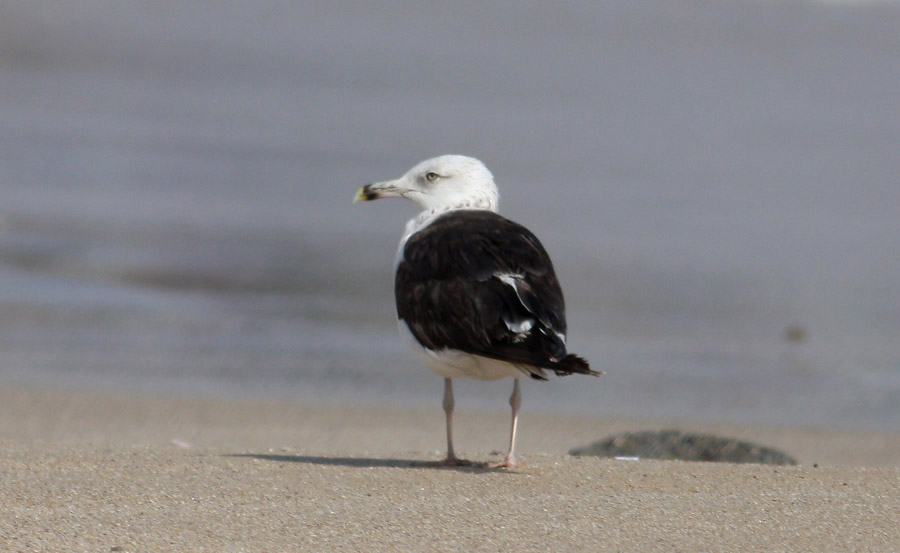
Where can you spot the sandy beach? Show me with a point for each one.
(95, 471)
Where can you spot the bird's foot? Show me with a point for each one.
(508, 463)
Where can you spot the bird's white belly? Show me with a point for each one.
(451, 363)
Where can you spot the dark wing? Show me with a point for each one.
(477, 282)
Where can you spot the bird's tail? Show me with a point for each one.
(572, 364)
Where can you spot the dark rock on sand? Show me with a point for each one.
(675, 445)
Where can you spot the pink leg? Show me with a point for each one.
(452, 460)
(448, 410)
(515, 401)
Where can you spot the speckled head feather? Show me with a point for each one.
(440, 184)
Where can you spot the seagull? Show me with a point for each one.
(476, 294)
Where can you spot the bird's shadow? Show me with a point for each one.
(366, 462)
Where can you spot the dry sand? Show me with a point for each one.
(91, 471)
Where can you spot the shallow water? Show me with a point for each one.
(718, 185)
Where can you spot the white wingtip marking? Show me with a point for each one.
(520, 327)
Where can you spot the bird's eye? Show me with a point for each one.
(432, 176)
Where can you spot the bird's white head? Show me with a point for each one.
(440, 184)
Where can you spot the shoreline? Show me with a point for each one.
(35, 414)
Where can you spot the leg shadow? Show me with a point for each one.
(362, 462)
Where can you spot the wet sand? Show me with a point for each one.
(710, 179)
(94, 471)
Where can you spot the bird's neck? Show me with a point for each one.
(426, 216)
